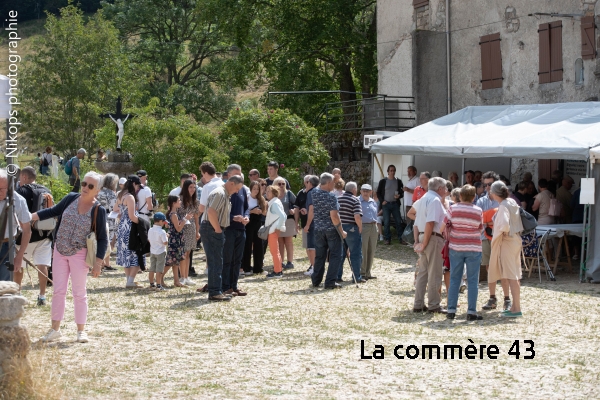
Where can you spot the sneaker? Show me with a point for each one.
(507, 305)
(491, 304)
(51, 336)
(82, 337)
(309, 271)
(160, 288)
(249, 273)
(508, 314)
(41, 300)
(152, 286)
(289, 265)
(381, 238)
(274, 275)
(463, 287)
(189, 282)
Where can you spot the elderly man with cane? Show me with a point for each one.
(350, 215)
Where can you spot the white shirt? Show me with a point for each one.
(430, 209)
(157, 237)
(21, 211)
(209, 187)
(142, 195)
(175, 192)
(411, 184)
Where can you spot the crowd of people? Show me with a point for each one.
(456, 230)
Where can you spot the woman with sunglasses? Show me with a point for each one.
(75, 213)
(126, 206)
(286, 239)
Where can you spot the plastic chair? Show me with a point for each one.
(540, 256)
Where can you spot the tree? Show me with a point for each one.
(185, 45)
(165, 145)
(76, 72)
(253, 137)
(310, 45)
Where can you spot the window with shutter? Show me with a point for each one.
(588, 41)
(491, 61)
(420, 3)
(551, 65)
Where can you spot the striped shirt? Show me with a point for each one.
(349, 207)
(466, 225)
(218, 200)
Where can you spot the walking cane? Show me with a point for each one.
(350, 262)
(36, 268)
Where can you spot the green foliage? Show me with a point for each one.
(58, 186)
(253, 137)
(183, 41)
(76, 72)
(166, 145)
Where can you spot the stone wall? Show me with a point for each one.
(357, 171)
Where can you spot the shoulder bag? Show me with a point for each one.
(91, 242)
(263, 231)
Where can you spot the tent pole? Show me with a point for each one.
(462, 173)
(378, 164)
(585, 237)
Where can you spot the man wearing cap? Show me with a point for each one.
(121, 183)
(369, 230)
(351, 217)
(144, 197)
(158, 250)
(74, 179)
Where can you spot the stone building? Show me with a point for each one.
(501, 52)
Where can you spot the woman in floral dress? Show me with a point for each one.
(126, 206)
(175, 252)
(191, 234)
(108, 198)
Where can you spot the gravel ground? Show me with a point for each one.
(288, 340)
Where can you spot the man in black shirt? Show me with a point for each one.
(308, 241)
(39, 250)
(273, 172)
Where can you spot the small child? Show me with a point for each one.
(158, 251)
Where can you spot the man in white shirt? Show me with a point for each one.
(144, 196)
(208, 171)
(23, 218)
(429, 220)
(410, 186)
(177, 190)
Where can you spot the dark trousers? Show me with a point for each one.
(4, 272)
(213, 247)
(327, 241)
(391, 209)
(75, 183)
(254, 246)
(232, 257)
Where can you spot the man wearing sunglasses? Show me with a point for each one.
(144, 196)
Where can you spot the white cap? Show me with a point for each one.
(122, 181)
(366, 186)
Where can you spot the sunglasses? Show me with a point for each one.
(263, 184)
(87, 185)
(252, 173)
(487, 184)
(281, 184)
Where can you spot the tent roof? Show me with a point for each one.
(542, 131)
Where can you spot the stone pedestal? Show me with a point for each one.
(117, 167)
(14, 339)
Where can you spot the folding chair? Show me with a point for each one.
(542, 256)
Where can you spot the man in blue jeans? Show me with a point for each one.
(323, 214)
(389, 193)
(235, 237)
(350, 215)
(214, 221)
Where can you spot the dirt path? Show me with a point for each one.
(287, 340)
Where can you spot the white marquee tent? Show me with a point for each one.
(569, 131)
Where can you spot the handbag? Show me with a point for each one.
(91, 242)
(555, 208)
(408, 235)
(263, 231)
(529, 222)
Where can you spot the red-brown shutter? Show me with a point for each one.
(556, 61)
(420, 3)
(588, 35)
(491, 61)
(544, 69)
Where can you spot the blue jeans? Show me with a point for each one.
(327, 240)
(45, 170)
(232, 257)
(354, 242)
(213, 248)
(391, 208)
(457, 260)
(4, 272)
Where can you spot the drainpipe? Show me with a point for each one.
(448, 56)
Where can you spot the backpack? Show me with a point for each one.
(529, 222)
(69, 166)
(41, 198)
(45, 163)
(154, 201)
